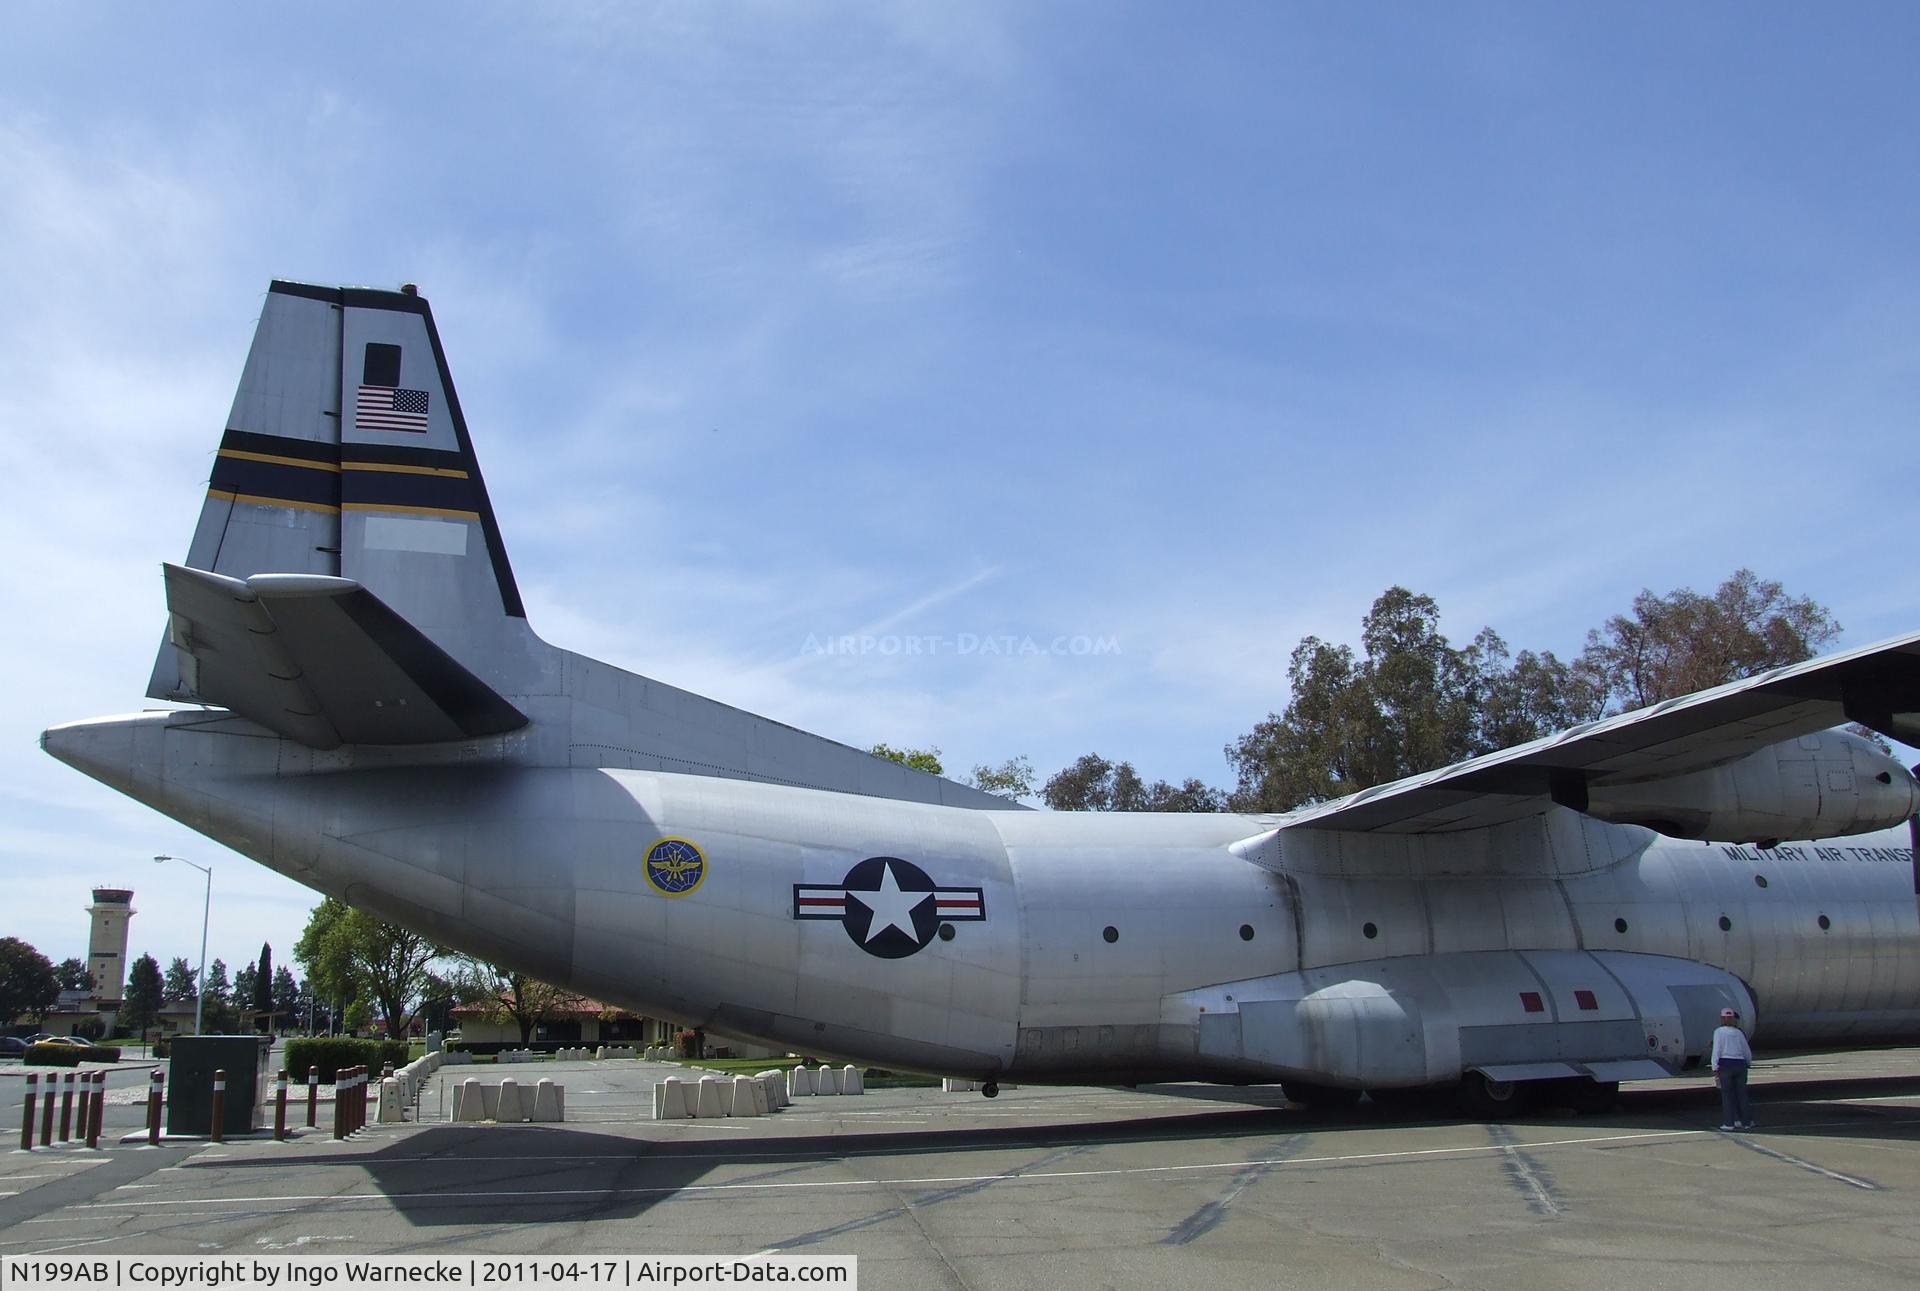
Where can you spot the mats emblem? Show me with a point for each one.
(674, 867)
(890, 908)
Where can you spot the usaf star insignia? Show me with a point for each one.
(890, 908)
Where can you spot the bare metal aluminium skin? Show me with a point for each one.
(378, 721)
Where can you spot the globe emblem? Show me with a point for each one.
(675, 867)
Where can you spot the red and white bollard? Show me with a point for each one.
(66, 1106)
(26, 1118)
(340, 1103)
(96, 1108)
(46, 1110)
(156, 1092)
(220, 1105)
(280, 1108)
(313, 1094)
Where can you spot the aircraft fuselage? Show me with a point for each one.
(1058, 946)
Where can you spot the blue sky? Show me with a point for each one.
(1187, 329)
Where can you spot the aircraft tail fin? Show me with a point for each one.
(346, 455)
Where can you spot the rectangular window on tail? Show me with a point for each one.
(383, 365)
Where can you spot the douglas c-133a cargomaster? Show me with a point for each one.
(375, 718)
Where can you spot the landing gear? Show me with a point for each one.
(1490, 1100)
(1319, 1095)
(991, 1089)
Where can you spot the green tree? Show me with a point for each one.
(508, 995)
(1012, 779)
(919, 759)
(140, 1008)
(286, 999)
(72, 975)
(1525, 697)
(350, 954)
(27, 984)
(243, 983)
(1092, 783)
(1411, 702)
(262, 997)
(1675, 644)
(179, 981)
(217, 1016)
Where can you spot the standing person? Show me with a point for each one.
(1732, 1056)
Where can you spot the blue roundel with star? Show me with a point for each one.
(889, 907)
(674, 867)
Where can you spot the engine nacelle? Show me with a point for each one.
(1819, 786)
(1429, 1019)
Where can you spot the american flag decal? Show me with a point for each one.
(390, 408)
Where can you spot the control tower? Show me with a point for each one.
(107, 943)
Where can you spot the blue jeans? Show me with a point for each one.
(1735, 1109)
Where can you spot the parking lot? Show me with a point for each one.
(1193, 1185)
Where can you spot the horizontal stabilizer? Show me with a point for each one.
(322, 661)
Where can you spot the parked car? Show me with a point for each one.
(12, 1046)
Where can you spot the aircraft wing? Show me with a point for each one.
(323, 661)
(1878, 685)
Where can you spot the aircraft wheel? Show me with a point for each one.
(1591, 1097)
(1490, 1100)
(990, 1089)
(1319, 1095)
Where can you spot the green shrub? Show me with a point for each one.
(102, 1053)
(51, 1053)
(331, 1053)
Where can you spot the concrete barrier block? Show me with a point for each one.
(851, 1081)
(954, 1085)
(776, 1083)
(507, 1106)
(549, 1101)
(393, 1101)
(799, 1083)
(473, 1101)
(713, 1097)
(459, 1058)
(741, 1101)
(826, 1081)
(670, 1100)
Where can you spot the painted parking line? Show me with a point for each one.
(1850, 1180)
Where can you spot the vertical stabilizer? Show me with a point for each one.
(346, 454)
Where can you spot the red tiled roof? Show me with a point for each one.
(578, 1006)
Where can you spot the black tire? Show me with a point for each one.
(1491, 1100)
(990, 1089)
(1319, 1095)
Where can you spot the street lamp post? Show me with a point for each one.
(200, 983)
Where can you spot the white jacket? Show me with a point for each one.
(1730, 1041)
